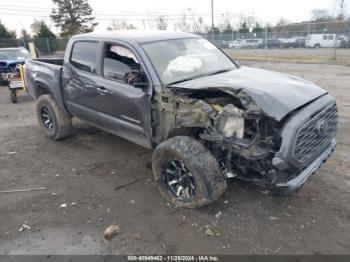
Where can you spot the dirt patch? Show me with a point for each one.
(105, 180)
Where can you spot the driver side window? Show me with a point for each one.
(118, 61)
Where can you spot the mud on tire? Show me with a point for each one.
(61, 122)
(210, 183)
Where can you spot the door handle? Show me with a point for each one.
(102, 90)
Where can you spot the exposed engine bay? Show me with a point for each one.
(243, 140)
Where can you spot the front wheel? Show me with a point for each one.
(186, 173)
(55, 123)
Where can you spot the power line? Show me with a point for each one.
(103, 19)
(102, 13)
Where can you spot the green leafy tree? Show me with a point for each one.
(44, 39)
(257, 28)
(243, 29)
(5, 33)
(73, 17)
(9, 37)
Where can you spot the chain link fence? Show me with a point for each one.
(44, 46)
(276, 38)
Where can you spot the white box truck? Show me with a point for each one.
(322, 40)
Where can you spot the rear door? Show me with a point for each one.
(79, 78)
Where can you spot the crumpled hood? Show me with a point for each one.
(276, 94)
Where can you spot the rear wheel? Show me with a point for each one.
(55, 123)
(317, 46)
(13, 96)
(186, 173)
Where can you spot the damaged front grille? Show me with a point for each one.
(315, 134)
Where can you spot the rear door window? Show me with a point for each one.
(84, 56)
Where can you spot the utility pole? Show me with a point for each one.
(340, 16)
(212, 19)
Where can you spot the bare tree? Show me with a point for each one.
(183, 25)
(320, 15)
(120, 25)
(161, 22)
(197, 25)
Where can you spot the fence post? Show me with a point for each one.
(48, 46)
(232, 35)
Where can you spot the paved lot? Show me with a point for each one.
(111, 182)
(298, 55)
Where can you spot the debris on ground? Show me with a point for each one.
(109, 210)
(64, 205)
(132, 202)
(137, 236)
(127, 184)
(24, 227)
(73, 204)
(54, 193)
(22, 190)
(12, 153)
(111, 231)
(218, 215)
(209, 232)
(273, 218)
(226, 202)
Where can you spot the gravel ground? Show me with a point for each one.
(106, 180)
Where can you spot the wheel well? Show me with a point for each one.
(42, 90)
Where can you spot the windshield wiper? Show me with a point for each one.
(185, 79)
(220, 71)
(199, 76)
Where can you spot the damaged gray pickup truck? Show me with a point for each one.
(207, 118)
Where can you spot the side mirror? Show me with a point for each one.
(136, 78)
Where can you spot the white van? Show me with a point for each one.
(322, 40)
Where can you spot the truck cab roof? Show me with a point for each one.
(137, 35)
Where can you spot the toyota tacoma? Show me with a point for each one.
(207, 118)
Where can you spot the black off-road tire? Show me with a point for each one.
(13, 96)
(210, 183)
(62, 122)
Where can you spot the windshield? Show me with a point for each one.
(179, 60)
(14, 54)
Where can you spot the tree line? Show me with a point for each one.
(75, 16)
(70, 16)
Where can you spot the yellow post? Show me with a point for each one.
(21, 71)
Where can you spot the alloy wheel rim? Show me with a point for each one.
(46, 118)
(179, 180)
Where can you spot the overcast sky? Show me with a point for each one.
(21, 13)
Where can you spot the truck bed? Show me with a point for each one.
(44, 76)
(53, 61)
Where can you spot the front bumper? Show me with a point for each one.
(297, 182)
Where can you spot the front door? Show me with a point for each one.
(120, 97)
